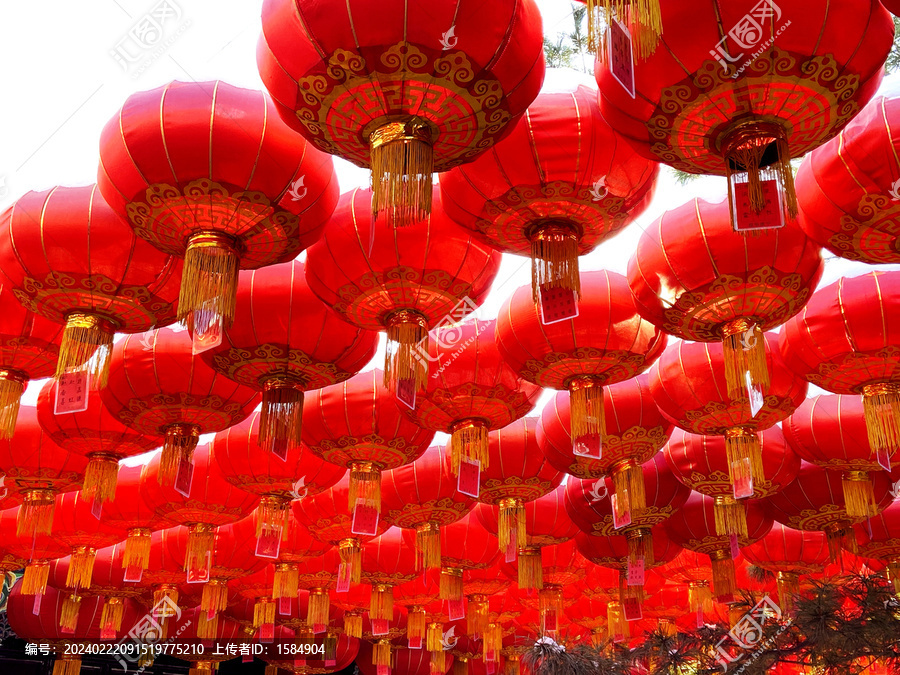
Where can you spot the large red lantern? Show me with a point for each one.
(695, 277)
(359, 424)
(472, 391)
(845, 341)
(880, 539)
(607, 342)
(209, 172)
(466, 546)
(561, 183)
(405, 282)
(742, 89)
(406, 90)
(71, 259)
(387, 561)
(298, 546)
(423, 496)
(611, 550)
(158, 386)
(271, 347)
(701, 463)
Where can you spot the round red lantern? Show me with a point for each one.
(387, 561)
(612, 550)
(71, 259)
(405, 90)
(466, 547)
(880, 539)
(35, 549)
(561, 183)
(209, 172)
(158, 386)
(297, 546)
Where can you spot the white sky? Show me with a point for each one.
(61, 84)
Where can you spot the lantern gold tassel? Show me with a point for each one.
(859, 494)
(353, 624)
(724, 583)
(477, 614)
(281, 414)
(699, 596)
(205, 667)
(451, 584)
(12, 386)
(893, 569)
(181, 441)
(319, 604)
(351, 556)
(402, 161)
(531, 571)
(201, 540)
(273, 511)
(511, 666)
(209, 282)
(207, 626)
(643, 18)
(840, 536)
(881, 403)
(460, 666)
(111, 616)
(416, 623)
(731, 516)
(640, 546)
(740, 444)
(434, 637)
(587, 418)
(68, 615)
(67, 664)
(615, 619)
(468, 438)
(744, 350)
(629, 476)
(36, 515)
(34, 581)
(81, 567)
(100, 477)
(627, 592)
(214, 597)
(381, 653)
(365, 485)
(788, 588)
(169, 593)
(263, 612)
(667, 627)
(86, 345)
(286, 581)
(428, 546)
(438, 662)
(554, 258)
(512, 517)
(407, 339)
(271, 670)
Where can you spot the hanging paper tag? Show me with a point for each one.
(211, 613)
(551, 621)
(268, 544)
(284, 606)
(633, 609)
(456, 610)
(512, 548)
(36, 605)
(590, 445)
(742, 477)
(469, 480)
(207, 331)
(621, 55)
(491, 665)
(380, 626)
(557, 304)
(635, 574)
(280, 449)
(745, 218)
(184, 477)
(883, 458)
(330, 663)
(755, 394)
(134, 574)
(406, 391)
(72, 393)
(365, 518)
(700, 621)
(623, 518)
(267, 632)
(318, 628)
(96, 508)
(383, 670)
(619, 637)
(343, 578)
(200, 575)
(415, 642)
(735, 547)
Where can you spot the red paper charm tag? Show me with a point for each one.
(379, 626)
(72, 393)
(207, 333)
(635, 574)
(184, 477)
(745, 218)
(621, 55)
(743, 478)
(557, 304)
(469, 480)
(633, 609)
(456, 610)
(268, 544)
(621, 514)
(365, 518)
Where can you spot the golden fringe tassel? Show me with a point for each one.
(353, 625)
(724, 582)
(438, 662)
(81, 567)
(365, 485)
(111, 617)
(893, 569)
(460, 666)
(587, 416)
(741, 443)
(699, 596)
(215, 596)
(626, 591)
(736, 612)
(12, 386)
(434, 637)
(554, 259)
(271, 670)
(273, 511)
(731, 516)
(550, 599)
(402, 161)
(640, 545)
(744, 348)
(493, 641)
(451, 584)
(881, 403)
(201, 541)
(643, 18)
(416, 623)
(318, 607)
(36, 515)
(331, 642)
(86, 345)
(207, 628)
(280, 418)
(34, 581)
(68, 616)
(788, 588)
(615, 619)
(407, 334)
(67, 664)
(170, 592)
(100, 477)
(181, 441)
(428, 546)
(859, 494)
(840, 536)
(209, 281)
(351, 555)
(667, 627)
(469, 438)
(511, 667)
(531, 571)
(477, 615)
(630, 476)
(512, 516)
(748, 150)
(286, 581)
(263, 612)
(381, 653)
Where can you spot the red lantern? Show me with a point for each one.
(693, 570)
(611, 550)
(689, 386)
(607, 342)
(405, 282)
(413, 596)
(271, 348)
(297, 547)
(466, 547)
(36, 549)
(695, 277)
(472, 391)
(845, 341)
(403, 662)
(404, 90)
(693, 526)
(208, 172)
(776, 87)
(71, 259)
(880, 539)
(701, 463)
(95, 434)
(423, 496)
(157, 386)
(358, 424)
(387, 561)
(29, 346)
(561, 183)
(37, 469)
